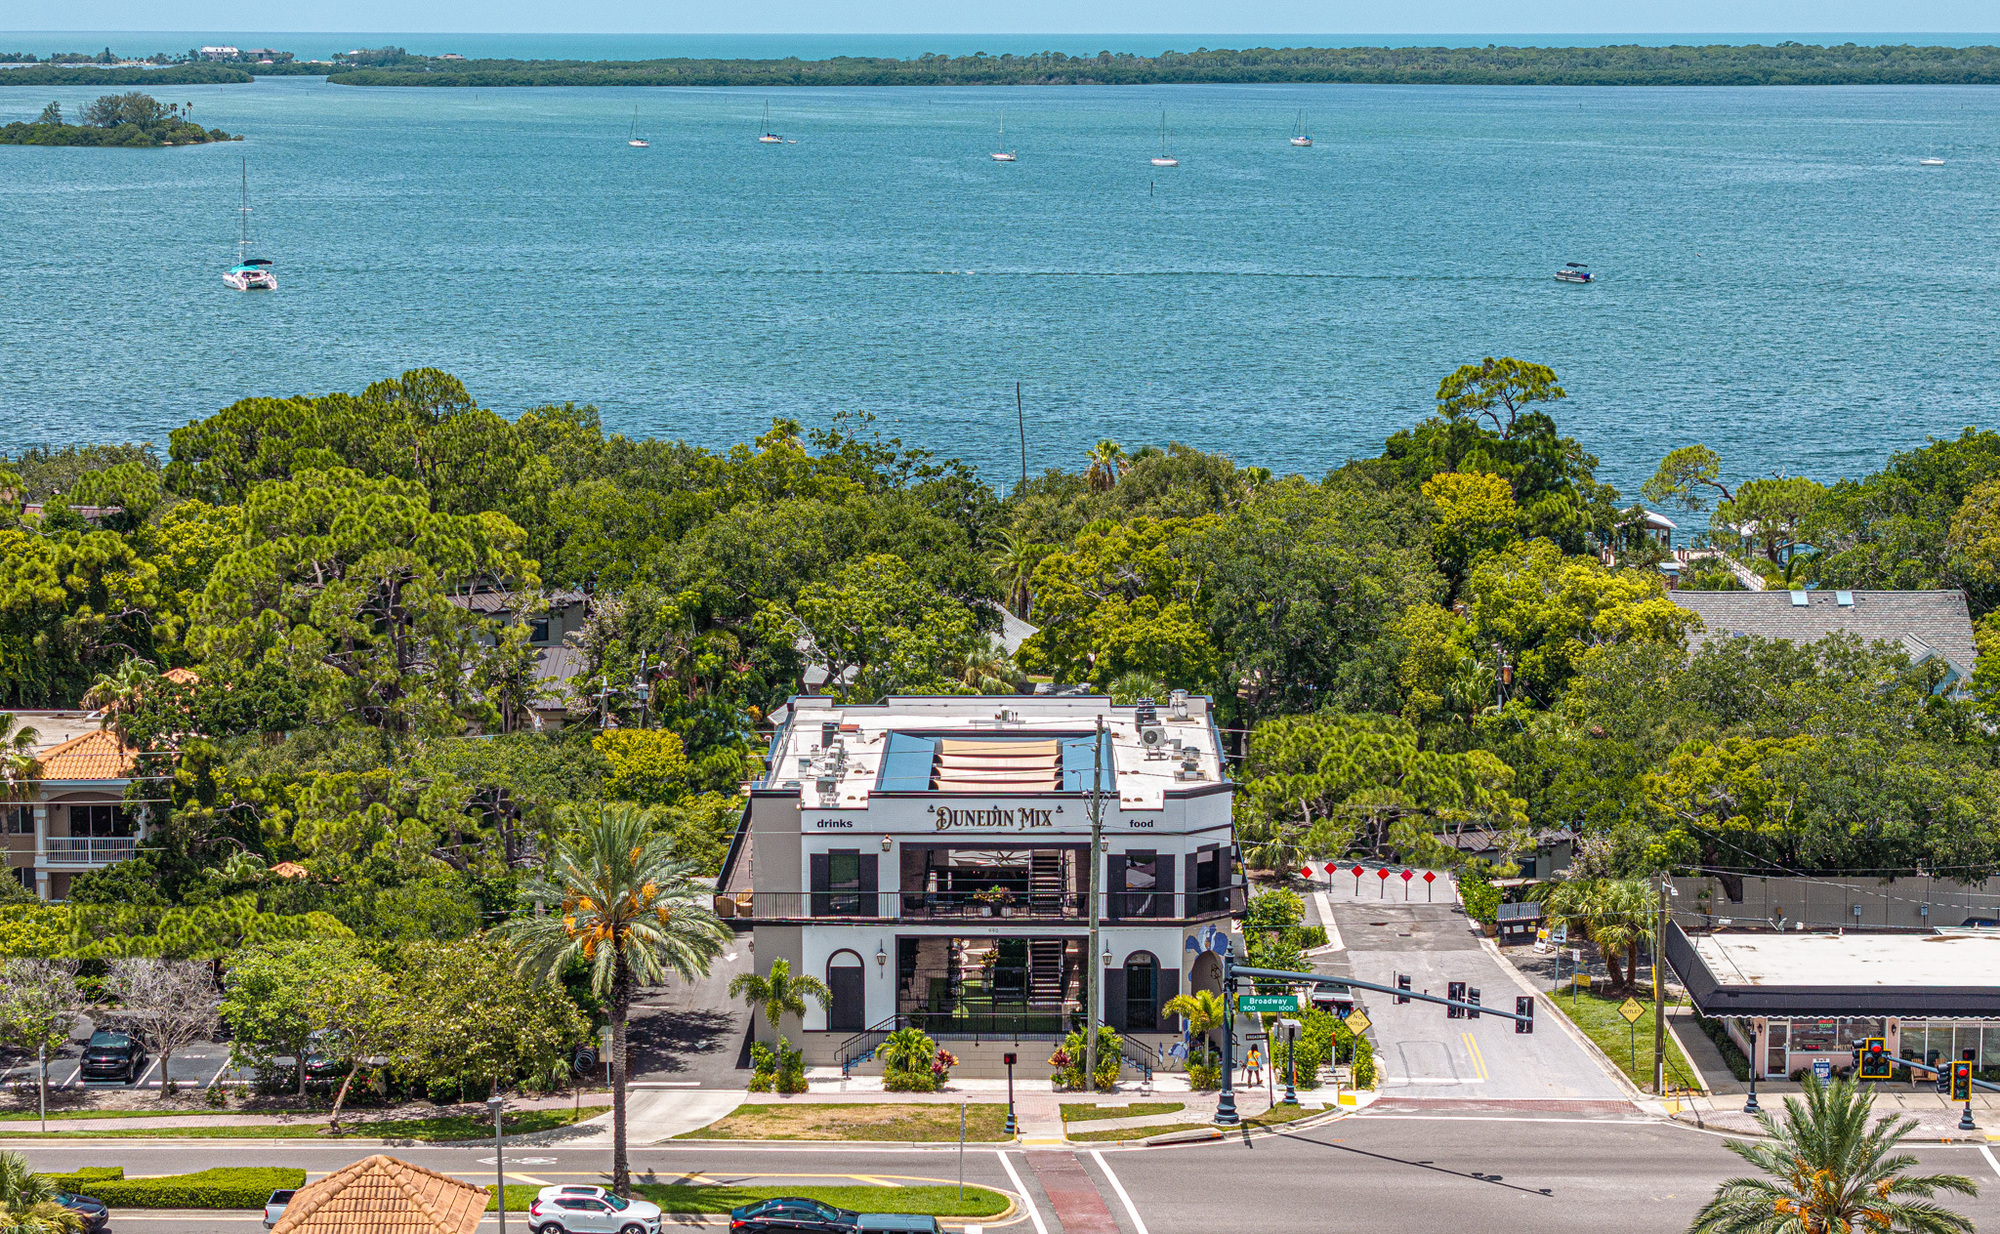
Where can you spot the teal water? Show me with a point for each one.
(1780, 278)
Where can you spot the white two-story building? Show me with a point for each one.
(929, 859)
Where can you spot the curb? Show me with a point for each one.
(1632, 1091)
(1692, 1118)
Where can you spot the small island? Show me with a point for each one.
(131, 120)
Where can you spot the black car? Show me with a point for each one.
(93, 1212)
(790, 1215)
(113, 1055)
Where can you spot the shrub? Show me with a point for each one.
(1277, 909)
(1305, 938)
(221, 1187)
(900, 1081)
(763, 1067)
(1732, 1054)
(791, 1068)
(1070, 1057)
(1481, 898)
(1204, 1077)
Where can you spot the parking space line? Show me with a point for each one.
(74, 1076)
(1988, 1154)
(154, 1066)
(1131, 1209)
(217, 1077)
(1021, 1189)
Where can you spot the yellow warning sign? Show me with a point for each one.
(1358, 1022)
(1631, 1010)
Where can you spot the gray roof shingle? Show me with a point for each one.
(1911, 620)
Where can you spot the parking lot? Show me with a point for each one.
(198, 1066)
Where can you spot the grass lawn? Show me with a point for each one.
(912, 1122)
(443, 1129)
(1276, 1116)
(1079, 1113)
(30, 1116)
(1598, 1017)
(922, 1201)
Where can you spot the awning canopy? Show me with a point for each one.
(1825, 976)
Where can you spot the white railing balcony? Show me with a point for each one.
(87, 850)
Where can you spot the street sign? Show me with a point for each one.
(1356, 871)
(1382, 874)
(1631, 1010)
(1258, 1004)
(1357, 1021)
(1407, 876)
(1822, 1069)
(1330, 867)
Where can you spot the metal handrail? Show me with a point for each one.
(849, 1060)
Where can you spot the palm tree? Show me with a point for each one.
(28, 1201)
(1013, 562)
(115, 694)
(780, 992)
(632, 912)
(987, 670)
(1107, 463)
(18, 765)
(1204, 1011)
(1830, 1172)
(1614, 914)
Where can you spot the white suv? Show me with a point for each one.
(590, 1210)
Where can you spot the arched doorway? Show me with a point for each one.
(1142, 993)
(848, 1012)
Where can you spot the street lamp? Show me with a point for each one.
(1012, 1129)
(1750, 1106)
(495, 1104)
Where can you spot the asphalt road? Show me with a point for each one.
(1400, 1169)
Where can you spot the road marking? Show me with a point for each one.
(147, 1074)
(73, 1076)
(1333, 941)
(875, 1180)
(1478, 1061)
(1131, 1209)
(1021, 1189)
(217, 1077)
(531, 1180)
(1988, 1154)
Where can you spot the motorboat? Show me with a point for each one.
(249, 273)
(1573, 272)
(1933, 161)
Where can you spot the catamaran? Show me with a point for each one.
(769, 136)
(1003, 154)
(634, 139)
(1164, 159)
(249, 273)
(1300, 135)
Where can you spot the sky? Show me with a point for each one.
(1018, 16)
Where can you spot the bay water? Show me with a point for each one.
(1779, 277)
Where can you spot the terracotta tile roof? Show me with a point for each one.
(381, 1195)
(181, 676)
(97, 755)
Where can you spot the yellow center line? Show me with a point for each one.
(1478, 1062)
(530, 1179)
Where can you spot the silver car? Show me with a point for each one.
(590, 1210)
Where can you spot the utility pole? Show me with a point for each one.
(1659, 989)
(1092, 967)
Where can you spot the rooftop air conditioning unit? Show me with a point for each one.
(1177, 703)
(1154, 739)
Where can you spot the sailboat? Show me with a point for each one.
(769, 136)
(634, 139)
(1003, 154)
(1302, 137)
(1165, 159)
(249, 273)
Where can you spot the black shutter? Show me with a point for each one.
(822, 903)
(1114, 998)
(870, 902)
(1188, 905)
(1163, 871)
(1165, 987)
(1114, 884)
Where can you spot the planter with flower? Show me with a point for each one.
(1070, 1057)
(995, 899)
(912, 1062)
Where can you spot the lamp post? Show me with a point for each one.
(495, 1104)
(1012, 1129)
(1750, 1106)
(1225, 1108)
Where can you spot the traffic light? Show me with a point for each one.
(1472, 1012)
(1402, 983)
(1524, 1006)
(1455, 991)
(1874, 1063)
(1961, 1081)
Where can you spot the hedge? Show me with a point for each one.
(222, 1187)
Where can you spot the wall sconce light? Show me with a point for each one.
(1107, 955)
(887, 844)
(881, 955)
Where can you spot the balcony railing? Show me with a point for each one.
(88, 850)
(1126, 907)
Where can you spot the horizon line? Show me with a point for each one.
(1028, 33)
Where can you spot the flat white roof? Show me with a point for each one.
(1853, 959)
(1142, 778)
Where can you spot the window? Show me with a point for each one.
(25, 876)
(20, 820)
(1141, 878)
(99, 820)
(843, 872)
(538, 630)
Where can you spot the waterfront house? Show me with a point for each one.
(1928, 625)
(929, 859)
(557, 663)
(76, 817)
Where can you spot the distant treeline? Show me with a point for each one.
(170, 75)
(1792, 64)
(130, 119)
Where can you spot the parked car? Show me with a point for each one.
(792, 1215)
(1980, 923)
(565, 1210)
(91, 1210)
(898, 1223)
(274, 1207)
(112, 1055)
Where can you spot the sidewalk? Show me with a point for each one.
(1937, 1119)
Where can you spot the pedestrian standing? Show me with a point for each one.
(1254, 1066)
